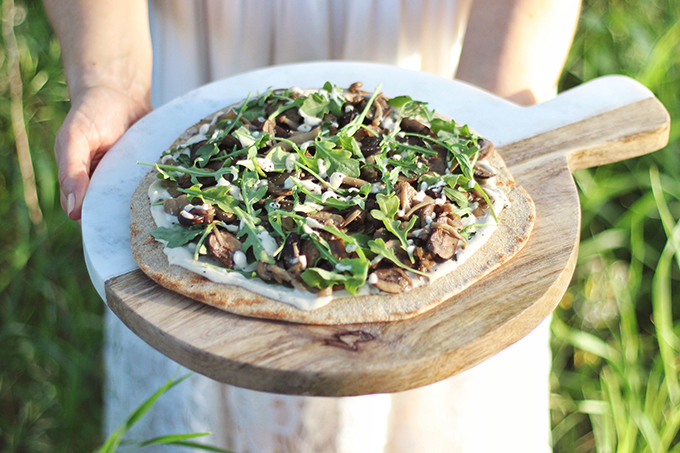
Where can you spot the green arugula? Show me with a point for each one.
(379, 247)
(389, 205)
(178, 235)
(219, 196)
(353, 276)
(339, 158)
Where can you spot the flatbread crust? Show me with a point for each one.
(514, 227)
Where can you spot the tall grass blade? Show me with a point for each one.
(17, 116)
(664, 212)
(202, 447)
(663, 321)
(663, 56)
(115, 439)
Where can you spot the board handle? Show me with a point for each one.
(620, 119)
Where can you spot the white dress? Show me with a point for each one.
(500, 405)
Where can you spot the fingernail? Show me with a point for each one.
(70, 203)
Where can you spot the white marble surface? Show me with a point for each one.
(106, 216)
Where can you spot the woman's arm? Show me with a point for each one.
(517, 48)
(106, 51)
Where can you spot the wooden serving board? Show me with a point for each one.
(460, 333)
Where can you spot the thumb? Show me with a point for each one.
(73, 153)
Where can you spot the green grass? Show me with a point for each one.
(50, 316)
(616, 348)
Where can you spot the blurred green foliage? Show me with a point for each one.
(50, 315)
(616, 354)
(616, 359)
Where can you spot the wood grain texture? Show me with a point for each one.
(389, 357)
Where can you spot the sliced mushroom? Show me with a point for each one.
(485, 148)
(355, 88)
(194, 215)
(271, 271)
(354, 182)
(437, 163)
(356, 214)
(415, 126)
(426, 201)
(327, 218)
(338, 249)
(175, 205)
(370, 145)
(406, 193)
(309, 250)
(442, 243)
(483, 171)
(391, 280)
(425, 259)
(223, 245)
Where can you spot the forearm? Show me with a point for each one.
(104, 43)
(517, 48)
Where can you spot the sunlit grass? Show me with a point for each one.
(616, 351)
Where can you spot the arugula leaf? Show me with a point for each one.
(204, 153)
(353, 275)
(379, 247)
(353, 126)
(316, 105)
(459, 198)
(357, 240)
(279, 157)
(408, 107)
(251, 231)
(389, 205)
(340, 159)
(283, 107)
(216, 195)
(178, 235)
(251, 190)
(194, 172)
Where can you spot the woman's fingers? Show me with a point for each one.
(98, 118)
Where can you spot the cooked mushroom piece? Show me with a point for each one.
(270, 271)
(442, 243)
(355, 88)
(223, 245)
(391, 280)
(406, 193)
(194, 215)
(328, 218)
(356, 214)
(485, 148)
(370, 145)
(290, 254)
(310, 252)
(175, 205)
(483, 171)
(415, 126)
(354, 182)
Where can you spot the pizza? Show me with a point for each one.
(327, 206)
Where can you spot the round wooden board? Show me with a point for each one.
(461, 332)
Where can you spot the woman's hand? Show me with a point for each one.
(99, 116)
(106, 50)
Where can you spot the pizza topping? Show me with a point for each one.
(328, 190)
